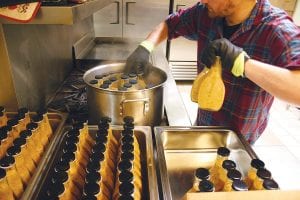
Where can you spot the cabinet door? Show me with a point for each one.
(141, 16)
(108, 21)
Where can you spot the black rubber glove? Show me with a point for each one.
(138, 61)
(223, 48)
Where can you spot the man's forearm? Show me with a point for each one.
(159, 34)
(282, 83)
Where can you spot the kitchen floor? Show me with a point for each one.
(278, 147)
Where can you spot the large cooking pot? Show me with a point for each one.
(146, 105)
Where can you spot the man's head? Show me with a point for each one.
(221, 8)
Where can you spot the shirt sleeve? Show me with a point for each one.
(185, 22)
(286, 45)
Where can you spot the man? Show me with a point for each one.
(259, 46)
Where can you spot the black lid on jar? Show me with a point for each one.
(70, 147)
(223, 151)
(93, 177)
(91, 189)
(127, 156)
(128, 119)
(127, 85)
(72, 133)
(127, 132)
(97, 157)
(270, 184)
(122, 89)
(132, 75)
(127, 147)
(7, 161)
(257, 163)
(105, 120)
(112, 78)
(126, 188)
(13, 150)
(125, 165)
(1, 113)
(93, 166)
(78, 126)
(101, 138)
(126, 197)
(59, 177)
(234, 174)
(25, 134)
(2, 109)
(12, 122)
(6, 128)
(102, 131)
(68, 157)
(127, 139)
(98, 148)
(3, 133)
(62, 165)
(107, 82)
(42, 111)
(239, 185)
(104, 86)
(206, 186)
(133, 81)
(23, 110)
(37, 118)
(263, 173)
(32, 126)
(20, 116)
(2, 173)
(202, 173)
(124, 76)
(19, 142)
(93, 82)
(126, 176)
(55, 190)
(72, 140)
(98, 76)
(228, 164)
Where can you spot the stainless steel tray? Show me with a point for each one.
(180, 150)
(144, 137)
(57, 121)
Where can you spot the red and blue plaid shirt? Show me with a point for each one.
(268, 35)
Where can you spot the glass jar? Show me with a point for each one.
(206, 186)
(127, 188)
(37, 136)
(270, 184)
(141, 82)
(95, 177)
(123, 79)
(26, 113)
(21, 121)
(15, 151)
(251, 174)
(261, 175)
(200, 175)
(3, 117)
(6, 140)
(222, 154)
(58, 191)
(41, 130)
(62, 177)
(35, 149)
(6, 192)
(239, 185)
(12, 176)
(13, 123)
(129, 156)
(226, 166)
(108, 156)
(128, 87)
(134, 84)
(71, 146)
(114, 83)
(232, 175)
(94, 189)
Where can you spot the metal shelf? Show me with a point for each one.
(66, 15)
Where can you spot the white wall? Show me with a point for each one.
(296, 15)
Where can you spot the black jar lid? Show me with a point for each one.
(32, 126)
(228, 164)
(25, 134)
(93, 82)
(125, 165)
(73, 132)
(127, 132)
(12, 122)
(3, 133)
(223, 151)
(129, 126)
(239, 185)
(68, 157)
(97, 157)
(257, 163)
(7, 161)
(23, 110)
(78, 126)
(70, 147)
(126, 188)
(263, 173)
(127, 85)
(93, 177)
(234, 174)
(106, 82)
(128, 119)
(37, 118)
(62, 166)
(202, 173)
(127, 147)
(93, 166)
(206, 186)
(98, 76)
(13, 150)
(127, 156)
(91, 188)
(100, 138)
(113, 78)
(102, 131)
(104, 86)
(127, 139)
(126, 176)
(126, 197)
(55, 190)
(6, 128)
(42, 111)
(98, 148)
(2, 109)
(132, 75)
(59, 177)
(20, 116)
(133, 81)
(105, 120)
(72, 140)
(20, 141)
(122, 89)
(2, 173)
(124, 76)
(270, 184)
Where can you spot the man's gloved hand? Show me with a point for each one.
(233, 58)
(138, 61)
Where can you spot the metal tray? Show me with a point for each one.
(143, 135)
(180, 150)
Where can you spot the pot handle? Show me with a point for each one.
(145, 100)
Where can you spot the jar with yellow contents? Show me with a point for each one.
(226, 166)
(6, 192)
(270, 184)
(261, 175)
(95, 177)
(46, 121)
(232, 175)
(25, 111)
(33, 149)
(199, 175)
(41, 129)
(251, 174)
(5, 140)
(37, 137)
(14, 124)
(222, 154)
(3, 117)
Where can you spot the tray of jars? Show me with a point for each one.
(192, 160)
(99, 162)
(25, 138)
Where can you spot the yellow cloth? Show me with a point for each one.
(239, 65)
(148, 45)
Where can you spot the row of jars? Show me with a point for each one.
(23, 141)
(120, 82)
(224, 176)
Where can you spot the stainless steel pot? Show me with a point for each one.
(146, 106)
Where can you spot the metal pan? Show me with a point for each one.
(180, 150)
(143, 135)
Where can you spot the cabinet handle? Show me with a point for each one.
(178, 6)
(118, 13)
(127, 11)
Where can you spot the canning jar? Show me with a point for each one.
(41, 130)
(35, 149)
(46, 121)
(6, 192)
(200, 175)
(14, 124)
(226, 166)
(232, 175)
(270, 184)
(3, 117)
(222, 154)
(251, 174)
(37, 136)
(26, 113)
(261, 175)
